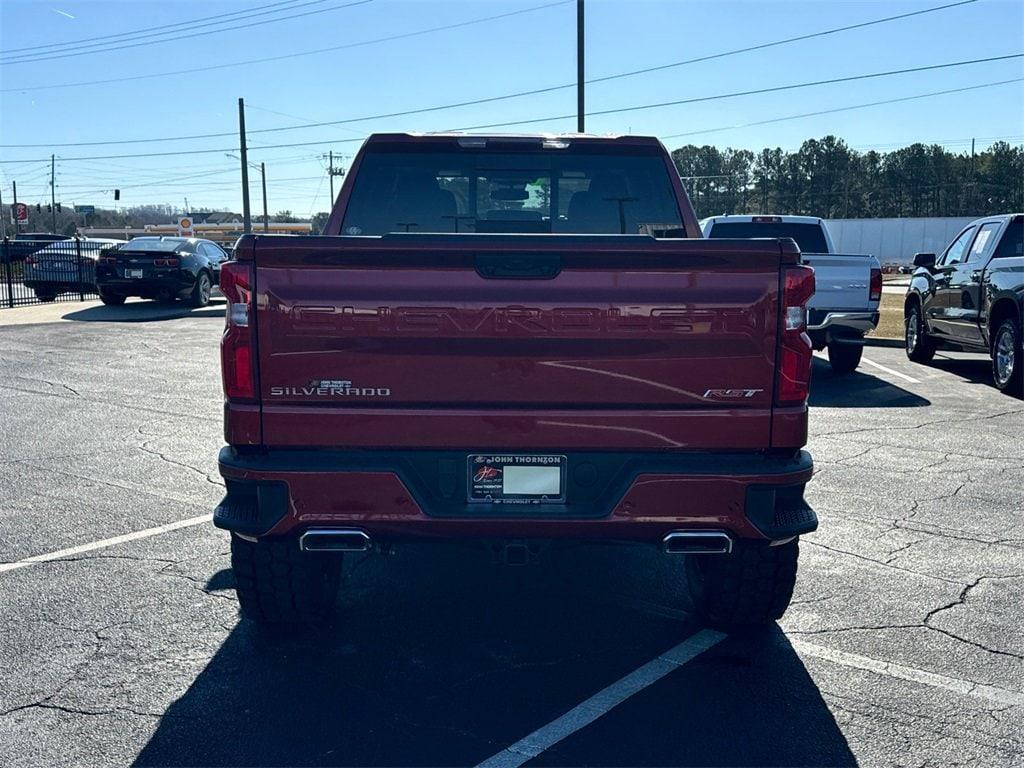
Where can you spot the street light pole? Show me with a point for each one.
(263, 180)
(246, 218)
(579, 67)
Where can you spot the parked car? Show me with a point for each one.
(500, 348)
(162, 268)
(971, 298)
(848, 286)
(24, 244)
(63, 266)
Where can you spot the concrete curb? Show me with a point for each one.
(872, 341)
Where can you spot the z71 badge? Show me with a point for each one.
(330, 388)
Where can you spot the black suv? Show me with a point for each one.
(164, 268)
(971, 298)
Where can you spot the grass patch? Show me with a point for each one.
(890, 321)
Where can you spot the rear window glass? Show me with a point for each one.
(549, 191)
(809, 237)
(148, 244)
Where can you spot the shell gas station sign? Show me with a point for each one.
(185, 228)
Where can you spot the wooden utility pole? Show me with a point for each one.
(973, 183)
(263, 180)
(246, 217)
(53, 195)
(14, 190)
(330, 174)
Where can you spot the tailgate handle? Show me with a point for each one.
(518, 266)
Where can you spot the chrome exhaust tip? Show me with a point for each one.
(697, 543)
(335, 540)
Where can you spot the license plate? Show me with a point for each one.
(133, 273)
(516, 478)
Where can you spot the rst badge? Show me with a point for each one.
(730, 394)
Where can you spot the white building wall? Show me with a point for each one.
(895, 241)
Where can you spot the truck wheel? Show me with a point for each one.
(746, 588)
(200, 295)
(277, 583)
(111, 299)
(844, 358)
(45, 295)
(920, 348)
(1008, 359)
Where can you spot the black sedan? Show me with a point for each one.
(164, 268)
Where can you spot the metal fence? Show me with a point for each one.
(38, 271)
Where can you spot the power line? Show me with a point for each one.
(774, 43)
(533, 92)
(421, 110)
(490, 99)
(844, 109)
(735, 94)
(189, 35)
(191, 23)
(217, 151)
(282, 57)
(618, 110)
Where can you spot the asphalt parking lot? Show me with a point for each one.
(120, 640)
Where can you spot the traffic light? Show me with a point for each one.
(58, 208)
(117, 194)
(39, 208)
(49, 208)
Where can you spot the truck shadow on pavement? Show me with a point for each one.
(976, 369)
(857, 390)
(145, 312)
(441, 658)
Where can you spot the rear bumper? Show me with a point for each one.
(824, 326)
(146, 285)
(393, 495)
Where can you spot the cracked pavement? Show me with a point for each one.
(134, 653)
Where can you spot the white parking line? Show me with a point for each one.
(60, 554)
(601, 702)
(979, 690)
(890, 371)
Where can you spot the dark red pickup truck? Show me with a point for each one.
(516, 339)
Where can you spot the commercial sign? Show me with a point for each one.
(185, 227)
(19, 212)
(86, 209)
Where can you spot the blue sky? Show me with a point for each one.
(534, 49)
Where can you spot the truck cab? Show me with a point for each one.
(970, 297)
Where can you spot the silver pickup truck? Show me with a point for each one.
(848, 286)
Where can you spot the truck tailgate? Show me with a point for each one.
(516, 341)
(842, 281)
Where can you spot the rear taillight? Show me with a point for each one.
(795, 353)
(875, 292)
(237, 344)
(165, 262)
